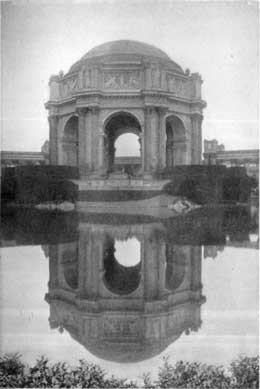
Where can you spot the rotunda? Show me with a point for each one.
(119, 88)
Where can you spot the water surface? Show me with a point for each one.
(125, 291)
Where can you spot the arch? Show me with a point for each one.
(119, 279)
(175, 141)
(69, 263)
(110, 115)
(117, 124)
(175, 267)
(70, 141)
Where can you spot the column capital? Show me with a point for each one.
(196, 115)
(94, 109)
(81, 110)
(53, 119)
(161, 110)
(148, 109)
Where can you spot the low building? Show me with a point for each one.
(21, 158)
(215, 154)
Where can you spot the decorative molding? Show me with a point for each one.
(122, 80)
(177, 86)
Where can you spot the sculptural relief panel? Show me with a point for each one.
(122, 80)
(177, 86)
(120, 327)
(68, 86)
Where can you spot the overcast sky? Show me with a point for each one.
(217, 39)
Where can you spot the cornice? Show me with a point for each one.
(96, 97)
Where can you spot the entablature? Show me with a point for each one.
(125, 77)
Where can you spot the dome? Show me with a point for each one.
(125, 350)
(124, 49)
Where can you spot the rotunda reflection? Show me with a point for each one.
(125, 311)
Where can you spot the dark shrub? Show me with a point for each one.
(245, 372)
(37, 184)
(242, 373)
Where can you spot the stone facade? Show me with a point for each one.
(215, 154)
(139, 89)
(124, 313)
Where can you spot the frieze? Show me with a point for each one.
(122, 80)
(68, 86)
(176, 85)
(118, 327)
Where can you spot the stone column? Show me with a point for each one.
(95, 141)
(195, 256)
(82, 262)
(196, 139)
(150, 141)
(82, 141)
(151, 268)
(53, 266)
(146, 141)
(161, 267)
(53, 139)
(162, 137)
(101, 152)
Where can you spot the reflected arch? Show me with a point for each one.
(119, 279)
(175, 141)
(175, 267)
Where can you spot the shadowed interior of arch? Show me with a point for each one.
(175, 141)
(122, 143)
(122, 265)
(70, 142)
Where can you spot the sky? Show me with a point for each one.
(217, 39)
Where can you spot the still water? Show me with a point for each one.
(125, 291)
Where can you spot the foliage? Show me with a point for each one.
(37, 184)
(245, 372)
(242, 373)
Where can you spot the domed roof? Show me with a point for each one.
(126, 48)
(124, 350)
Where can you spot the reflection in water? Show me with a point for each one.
(131, 308)
(118, 278)
(124, 313)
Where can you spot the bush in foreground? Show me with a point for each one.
(242, 373)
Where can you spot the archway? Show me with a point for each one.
(120, 277)
(69, 263)
(175, 267)
(175, 142)
(116, 127)
(127, 154)
(70, 142)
